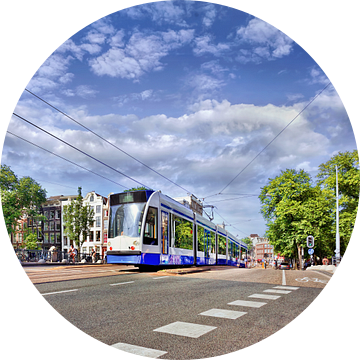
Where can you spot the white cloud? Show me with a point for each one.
(135, 97)
(210, 15)
(141, 54)
(267, 42)
(159, 12)
(204, 44)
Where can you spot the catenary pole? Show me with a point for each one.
(337, 251)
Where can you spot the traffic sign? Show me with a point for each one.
(311, 251)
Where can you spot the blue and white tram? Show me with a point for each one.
(147, 227)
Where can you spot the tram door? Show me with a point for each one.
(164, 237)
(207, 246)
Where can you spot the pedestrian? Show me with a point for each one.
(75, 254)
(93, 255)
(72, 253)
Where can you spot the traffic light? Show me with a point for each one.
(310, 241)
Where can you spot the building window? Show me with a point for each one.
(52, 226)
(98, 235)
(57, 214)
(92, 198)
(91, 236)
(98, 221)
(98, 209)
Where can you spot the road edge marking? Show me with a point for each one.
(59, 292)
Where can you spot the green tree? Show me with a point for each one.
(19, 197)
(77, 220)
(30, 242)
(349, 185)
(294, 208)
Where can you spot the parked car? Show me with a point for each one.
(284, 266)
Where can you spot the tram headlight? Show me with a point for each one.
(109, 243)
(135, 242)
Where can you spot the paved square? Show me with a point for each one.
(221, 313)
(264, 296)
(185, 329)
(254, 304)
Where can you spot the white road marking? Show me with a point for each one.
(286, 287)
(226, 314)
(277, 291)
(127, 282)
(264, 296)
(160, 277)
(254, 304)
(139, 350)
(59, 292)
(185, 329)
(326, 275)
(283, 278)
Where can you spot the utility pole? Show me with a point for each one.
(337, 251)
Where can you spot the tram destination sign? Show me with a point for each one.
(128, 197)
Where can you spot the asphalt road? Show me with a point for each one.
(136, 308)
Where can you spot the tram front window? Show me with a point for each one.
(125, 219)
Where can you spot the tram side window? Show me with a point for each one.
(200, 238)
(222, 245)
(150, 234)
(183, 233)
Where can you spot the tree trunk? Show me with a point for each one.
(299, 255)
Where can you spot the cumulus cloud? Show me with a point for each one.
(204, 44)
(265, 42)
(159, 12)
(141, 54)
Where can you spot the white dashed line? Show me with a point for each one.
(59, 292)
(123, 283)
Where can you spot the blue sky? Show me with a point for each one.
(192, 89)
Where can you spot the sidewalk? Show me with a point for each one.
(57, 264)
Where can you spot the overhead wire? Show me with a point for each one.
(61, 157)
(77, 149)
(260, 152)
(105, 140)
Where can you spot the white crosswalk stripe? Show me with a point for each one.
(139, 350)
(193, 330)
(253, 304)
(221, 313)
(285, 292)
(186, 329)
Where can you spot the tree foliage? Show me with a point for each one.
(295, 207)
(77, 220)
(19, 197)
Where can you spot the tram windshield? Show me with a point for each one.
(125, 219)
